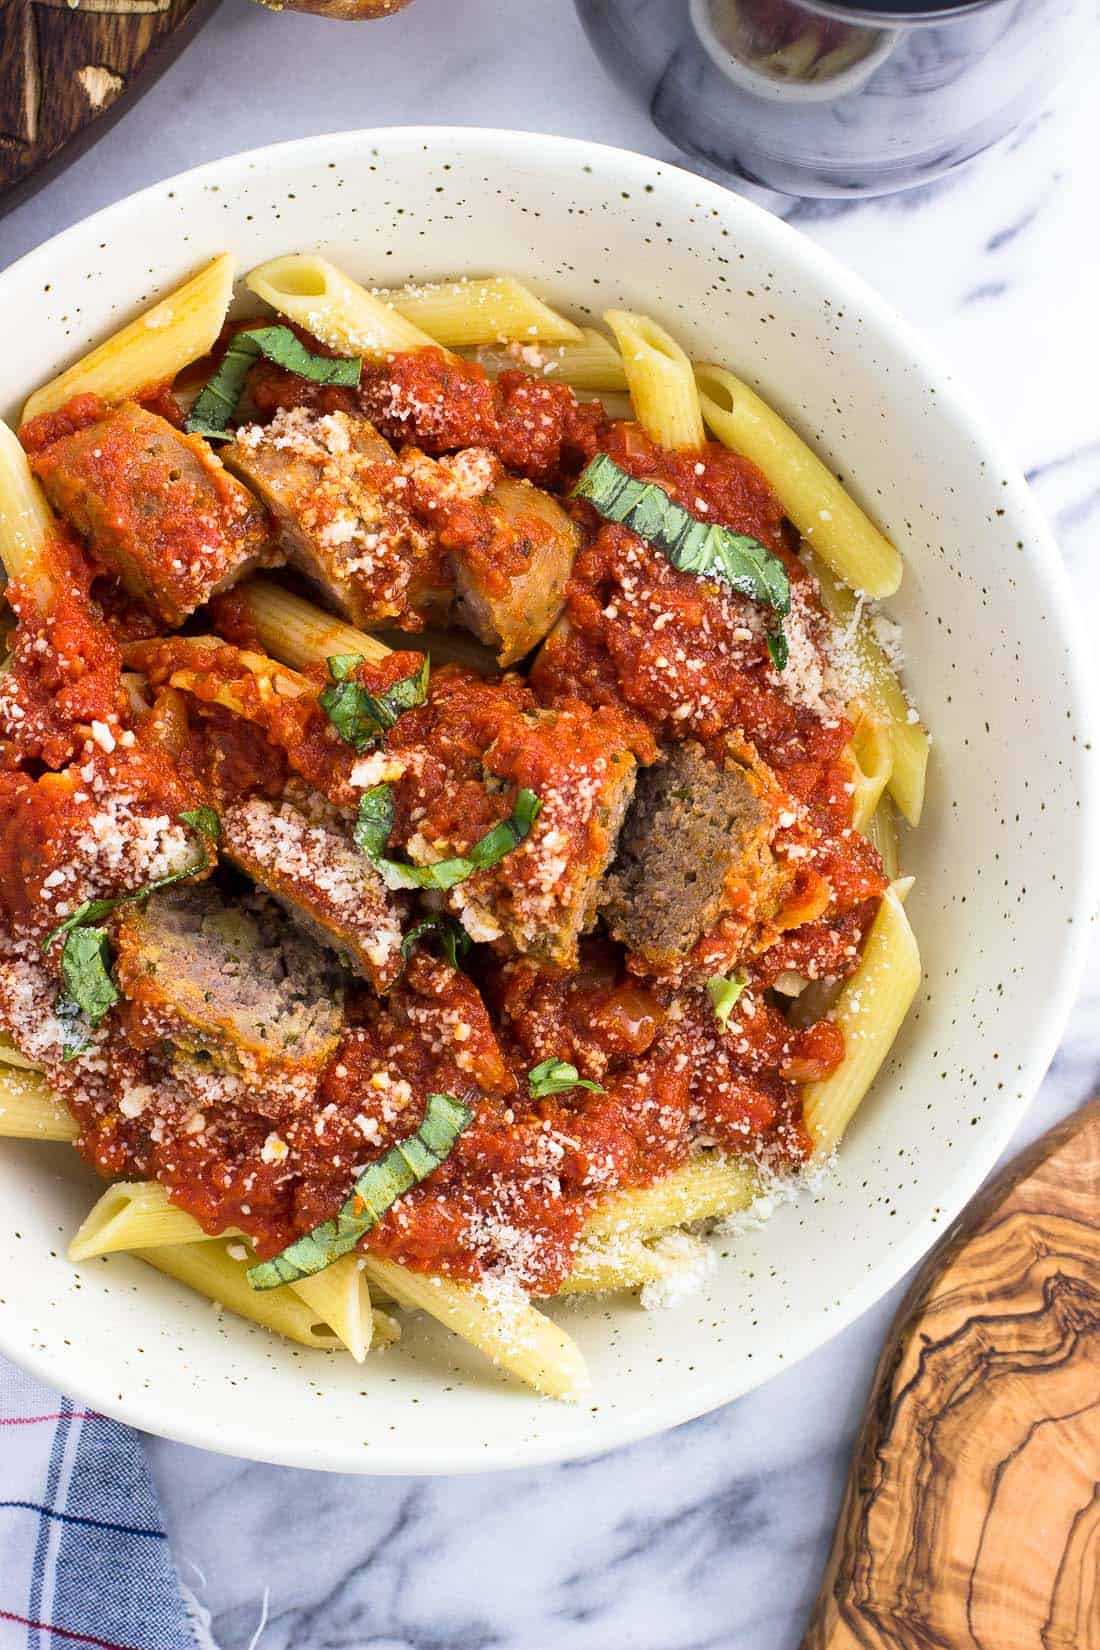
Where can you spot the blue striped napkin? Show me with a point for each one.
(84, 1559)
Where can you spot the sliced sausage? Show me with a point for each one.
(156, 507)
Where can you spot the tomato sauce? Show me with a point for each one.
(95, 778)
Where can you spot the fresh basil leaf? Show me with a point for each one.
(691, 545)
(343, 665)
(86, 973)
(778, 651)
(375, 822)
(554, 1077)
(723, 993)
(361, 717)
(217, 401)
(205, 821)
(377, 1188)
(453, 939)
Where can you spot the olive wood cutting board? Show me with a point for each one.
(971, 1520)
(67, 66)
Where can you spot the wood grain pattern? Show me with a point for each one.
(64, 66)
(971, 1520)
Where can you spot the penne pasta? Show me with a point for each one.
(881, 693)
(135, 1214)
(339, 312)
(628, 1263)
(490, 310)
(272, 679)
(503, 1324)
(340, 1298)
(883, 832)
(824, 513)
(592, 364)
(869, 1011)
(300, 633)
(660, 379)
(152, 348)
(708, 1185)
(139, 1216)
(28, 1111)
(26, 522)
(872, 755)
(10, 1055)
(209, 1269)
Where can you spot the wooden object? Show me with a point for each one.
(64, 67)
(971, 1519)
(345, 11)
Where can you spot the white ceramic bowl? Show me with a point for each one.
(1002, 860)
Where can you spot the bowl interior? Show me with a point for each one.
(1001, 859)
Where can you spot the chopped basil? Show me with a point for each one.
(375, 822)
(453, 939)
(359, 716)
(379, 1186)
(217, 401)
(691, 545)
(723, 993)
(205, 821)
(554, 1077)
(778, 651)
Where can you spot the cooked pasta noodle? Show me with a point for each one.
(882, 693)
(297, 631)
(502, 1323)
(489, 310)
(152, 348)
(593, 364)
(823, 511)
(660, 378)
(869, 1011)
(26, 522)
(28, 1111)
(308, 289)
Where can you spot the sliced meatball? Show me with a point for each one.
(318, 875)
(511, 596)
(230, 981)
(698, 833)
(156, 507)
(544, 895)
(334, 487)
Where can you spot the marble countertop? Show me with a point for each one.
(713, 1535)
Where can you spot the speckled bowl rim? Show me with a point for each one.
(707, 1392)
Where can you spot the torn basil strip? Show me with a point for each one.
(88, 991)
(359, 716)
(554, 1077)
(205, 821)
(453, 939)
(691, 545)
(778, 651)
(723, 992)
(375, 822)
(377, 1188)
(217, 401)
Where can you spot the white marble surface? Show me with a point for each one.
(714, 1535)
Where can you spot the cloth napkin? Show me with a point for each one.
(84, 1559)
